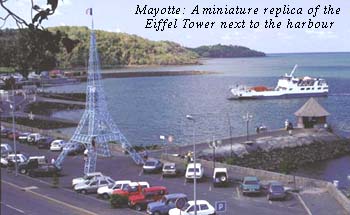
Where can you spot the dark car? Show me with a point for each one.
(32, 163)
(167, 203)
(152, 165)
(11, 135)
(44, 142)
(275, 191)
(44, 170)
(5, 132)
(76, 149)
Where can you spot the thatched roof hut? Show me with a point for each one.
(311, 114)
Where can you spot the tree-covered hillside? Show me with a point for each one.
(122, 49)
(226, 51)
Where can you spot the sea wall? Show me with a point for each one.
(284, 153)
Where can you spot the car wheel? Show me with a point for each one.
(23, 171)
(83, 191)
(105, 196)
(138, 207)
(157, 213)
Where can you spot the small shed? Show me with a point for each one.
(311, 114)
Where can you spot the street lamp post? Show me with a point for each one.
(214, 145)
(190, 117)
(247, 118)
(14, 129)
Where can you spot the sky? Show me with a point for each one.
(119, 16)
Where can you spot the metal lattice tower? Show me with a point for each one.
(96, 121)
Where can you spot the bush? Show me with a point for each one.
(118, 201)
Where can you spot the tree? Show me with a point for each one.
(35, 48)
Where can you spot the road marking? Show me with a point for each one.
(30, 188)
(51, 199)
(141, 172)
(308, 211)
(238, 194)
(13, 208)
(209, 188)
(270, 202)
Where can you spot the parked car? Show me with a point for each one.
(168, 202)
(19, 157)
(86, 178)
(250, 185)
(106, 191)
(44, 142)
(132, 189)
(4, 162)
(203, 208)
(92, 185)
(190, 171)
(5, 149)
(57, 145)
(169, 169)
(139, 201)
(11, 135)
(152, 166)
(275, 191)
(33, 138)
(44, 170)
(76, 149)
(31, 163)
(23, 137)
(4, 132)
(220, 177)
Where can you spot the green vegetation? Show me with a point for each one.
(118, 201)
(122, 49)
(224, 51)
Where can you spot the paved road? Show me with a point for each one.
(122, 167)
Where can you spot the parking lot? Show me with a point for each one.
(121, 167)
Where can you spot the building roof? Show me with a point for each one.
(311, 109)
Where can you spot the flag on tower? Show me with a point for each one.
(89, 11)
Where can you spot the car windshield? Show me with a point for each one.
(251, 182)
(169, 167)
(192, 170)
(277, 188)
(150, 163)
(185, 206)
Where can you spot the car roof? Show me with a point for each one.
(154, 188)
(175, 195)
(251, 178)
(198, 202)
(123, 182)
(220, 170)
(93, 173)
(275, 183)
(169, 164)
(192, 164)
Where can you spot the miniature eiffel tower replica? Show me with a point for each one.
(96, 128)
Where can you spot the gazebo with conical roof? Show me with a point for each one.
(311, 114)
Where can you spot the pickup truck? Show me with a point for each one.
(139, 201)
(32, 163)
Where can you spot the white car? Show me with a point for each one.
(19, 157)
(4, 162)
(57, 145)
(106, 191)
(23, 137)
(190, 171)
(33, 138)
(203, 208)
(5, 149)
(93, 185)
(85, 178)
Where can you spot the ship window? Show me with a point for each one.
(313, 88)
(319, 88)
(290, 88)
(325, 88)
(302, 88)
(308, 88)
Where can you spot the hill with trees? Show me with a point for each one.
(226, 51)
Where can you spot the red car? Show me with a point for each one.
(139, 201)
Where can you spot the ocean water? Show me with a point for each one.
(146, 107)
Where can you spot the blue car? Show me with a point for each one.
(250, 185)
(167, 203)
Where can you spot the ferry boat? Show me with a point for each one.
(288, 86)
